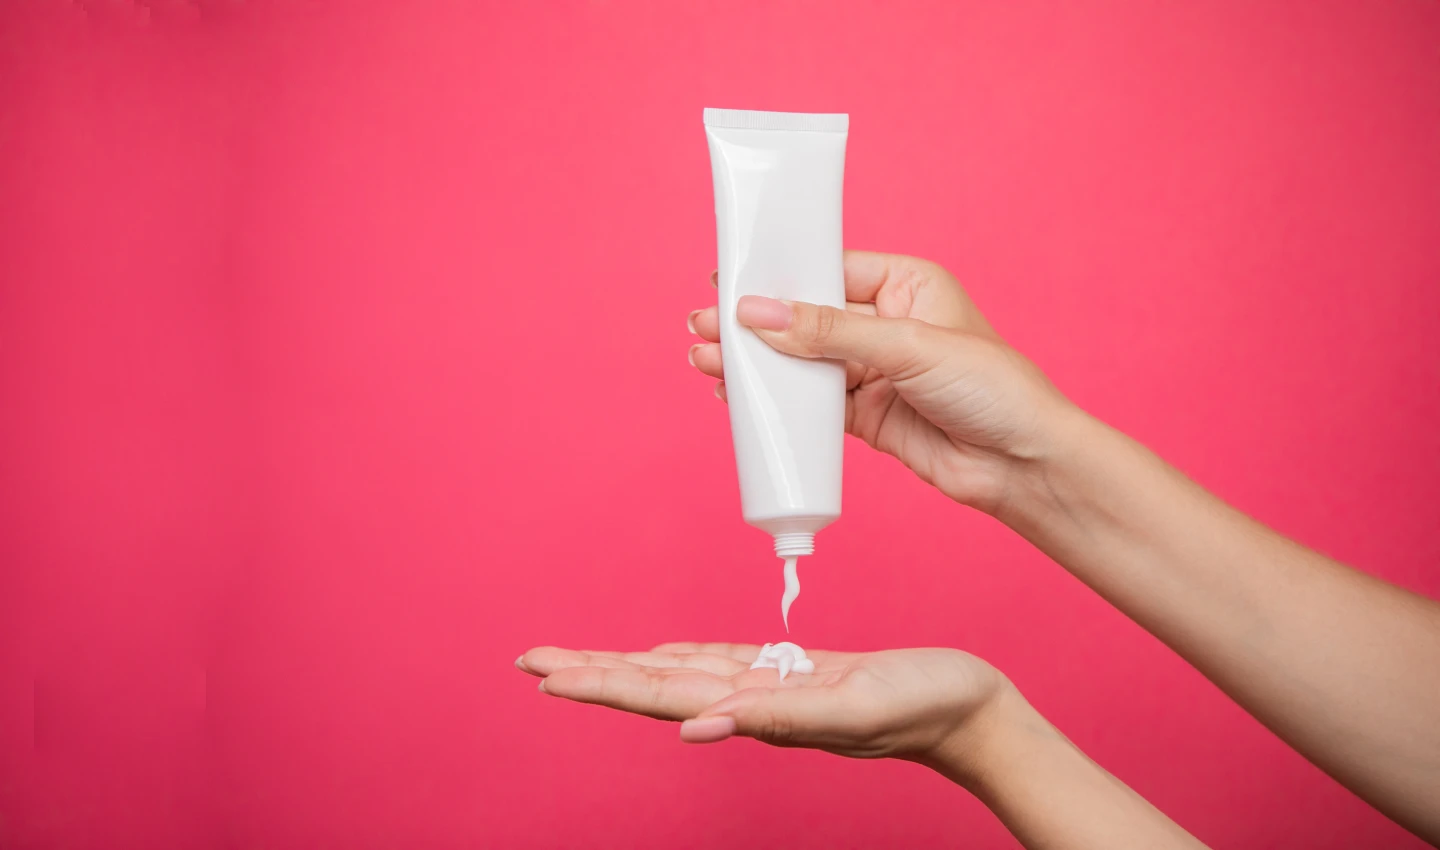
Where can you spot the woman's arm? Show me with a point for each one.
(1343, 666)
(1048, 793)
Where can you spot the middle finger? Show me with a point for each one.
(706, 323)
(720, 665)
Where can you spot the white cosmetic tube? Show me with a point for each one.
(778, 179)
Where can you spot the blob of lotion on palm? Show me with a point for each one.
(778, 180)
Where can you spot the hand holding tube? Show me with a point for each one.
(1339, 664)
(930, 382)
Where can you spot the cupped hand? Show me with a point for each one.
(930, 381)
(906, 703)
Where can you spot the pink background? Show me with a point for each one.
(342, 358)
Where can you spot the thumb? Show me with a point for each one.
(783, 716)
(897, 348)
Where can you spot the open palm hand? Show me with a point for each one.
(903, 703)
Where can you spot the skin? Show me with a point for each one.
(1342, 666)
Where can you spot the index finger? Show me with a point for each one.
(902, 286)
(745, 653)
(867, 272)
(675, 697)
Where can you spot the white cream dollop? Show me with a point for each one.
(785, 657)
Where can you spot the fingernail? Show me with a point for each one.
(720, 391)
(715, 278)
(520, 664)
(707, 730)
(691, 354)
(761, 313)
(690, 321)
(541, 687)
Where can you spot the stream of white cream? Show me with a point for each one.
(792, 590)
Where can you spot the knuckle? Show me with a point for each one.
(603, 684)
(775, 725)
(773, 729)
(826, 325)
(782, 729)
(928, 273)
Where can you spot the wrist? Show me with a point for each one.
(1035, 482)
(973, 754)
(1046, 791)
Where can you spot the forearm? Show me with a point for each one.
(1048, 793)
(1343, 666)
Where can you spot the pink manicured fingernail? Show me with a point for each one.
(541, 687)
(720, 391)
(691, 354)
(707, 730)
(715, 278)
(761, 313)
(690, 321)
(520, 663)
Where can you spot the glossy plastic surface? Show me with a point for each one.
(778, 214)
